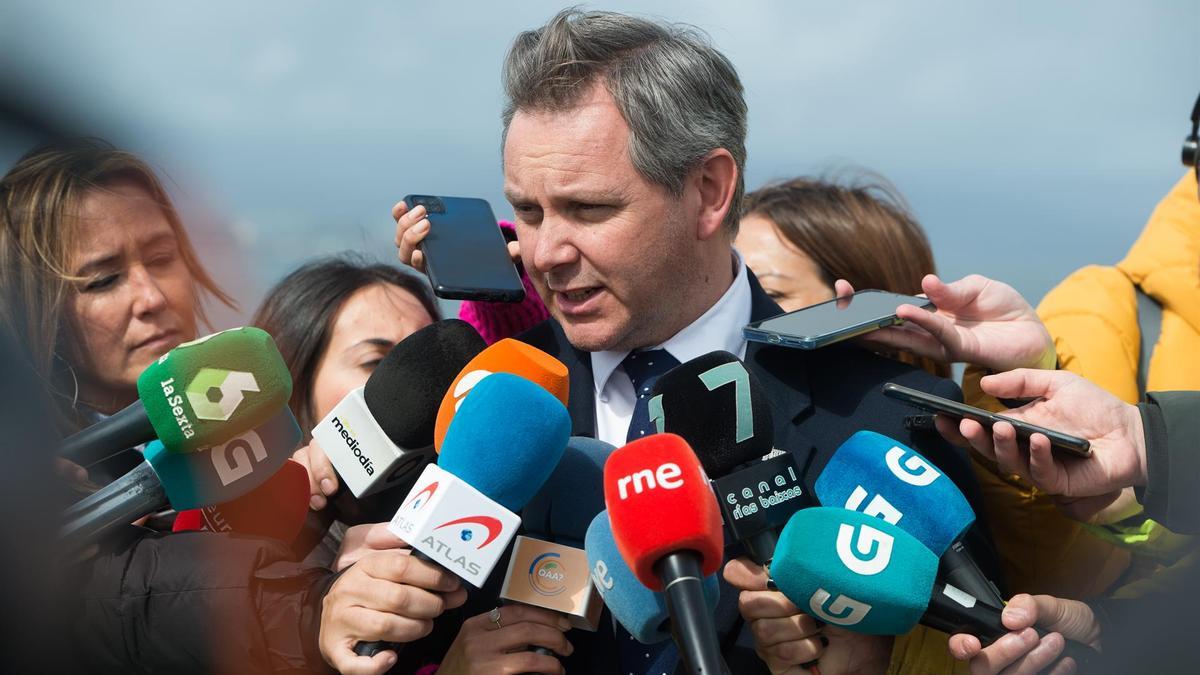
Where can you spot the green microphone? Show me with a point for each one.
(199, 394)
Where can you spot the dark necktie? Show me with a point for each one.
(644, 369)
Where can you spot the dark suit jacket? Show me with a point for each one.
(818, 399)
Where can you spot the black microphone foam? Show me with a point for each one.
(404, 392)
(720, 408)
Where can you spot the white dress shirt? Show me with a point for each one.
(718, 328)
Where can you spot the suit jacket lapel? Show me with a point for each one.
(782, 371)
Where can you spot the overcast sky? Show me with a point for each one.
(1031, 138)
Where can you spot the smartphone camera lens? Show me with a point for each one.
(431, 204)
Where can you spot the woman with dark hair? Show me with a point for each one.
(803, 235)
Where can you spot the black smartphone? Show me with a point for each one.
(1080, 447)
(466, 257)
(833, 320)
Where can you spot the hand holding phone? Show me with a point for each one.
(834, 320)
(1076, 446)
(457, 243)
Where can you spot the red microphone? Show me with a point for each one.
(277, 508)
(667, 525)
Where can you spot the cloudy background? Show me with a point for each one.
(1031, 138)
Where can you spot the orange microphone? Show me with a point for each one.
(505, 356)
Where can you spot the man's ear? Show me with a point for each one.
(715, 179)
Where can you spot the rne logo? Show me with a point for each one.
(667, 476)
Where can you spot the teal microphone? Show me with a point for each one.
(866, 575)
(209, 476)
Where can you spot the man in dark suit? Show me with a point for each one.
(623, 160)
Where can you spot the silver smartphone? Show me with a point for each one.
(832, 321)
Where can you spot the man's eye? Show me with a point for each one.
(101, 283)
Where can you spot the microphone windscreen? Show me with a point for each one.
(641, 611)
(562, 510)
(882, 477)
(506, 356)
(506, 439)
(659, 501)
(209, 390)
(276, 509)
(720, 408)
(404, 391)
(854, 571)
(225, 472)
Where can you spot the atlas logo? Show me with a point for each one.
(352, 443)
(546, 574)
(493, 526)
(842, 611)
(466, 384)
(667, 476)
(232, 459)
(914, 470)
(215, 393)
(422, 498)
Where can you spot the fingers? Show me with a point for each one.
(955, 295)
(345, 661)
(412, 226)
(842, 288)
(1043, 655)
(1020, 613)
(1004, 652)
(514, 251)
(948, 428)
(746, 575)
(1024, 383)
(939, 327)
(755, 605)
(399, 567)
(395, 599)
(965, 647)
(786, 655)
(322, 479)
(979, 436)
(1044, 469)
(770, 632)
(379, 537)
(512, 614)
(518, 636)
(1008, 453)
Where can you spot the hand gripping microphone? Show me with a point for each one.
(505, 356)
(640, 610)
(886, 479)
(381, 432)
(720, 408)
(549, 568)
(460, 513)
(191, 480)
(667, 526)
(199, 394)
(869, 576)
(275, 509)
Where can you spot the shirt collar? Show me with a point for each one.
(718, 328)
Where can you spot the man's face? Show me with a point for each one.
(607, 250)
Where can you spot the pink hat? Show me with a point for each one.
(498, 320)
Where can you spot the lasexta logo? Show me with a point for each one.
(547, 575)
(215, 393)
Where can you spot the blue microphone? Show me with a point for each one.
(884, 478)
(640, 610)
(564, 508)
(866, 575)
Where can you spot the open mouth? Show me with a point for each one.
(580, 295)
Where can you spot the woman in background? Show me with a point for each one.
(803, 235)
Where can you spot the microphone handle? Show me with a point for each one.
(952, 610)
(123, 501)
(374, 647)
(760, 547)
(128, 428)
(691, 623)
(959, 569)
